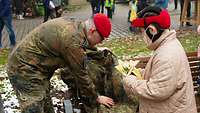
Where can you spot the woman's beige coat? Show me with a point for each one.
(167, 86)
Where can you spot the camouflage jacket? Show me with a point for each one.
(55, 44)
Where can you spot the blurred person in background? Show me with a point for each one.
(175, 4)
(58, 7)
(49, 10)
(94, 6)
(19, 5)
(6, 20)
(162, 3)
(109, 6)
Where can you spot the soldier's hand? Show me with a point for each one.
(108, 102)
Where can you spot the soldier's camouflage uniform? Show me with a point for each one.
(55, 44)
(108, 82)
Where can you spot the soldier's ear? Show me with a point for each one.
(92, 30)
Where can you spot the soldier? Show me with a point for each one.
(55, 44)
(107, 80)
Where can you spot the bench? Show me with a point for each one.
(194, 62)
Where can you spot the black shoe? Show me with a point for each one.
(188, 24)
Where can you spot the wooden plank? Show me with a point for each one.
(195, 73)
(196, 88)
(193, 59)
(194, 63)
(194, 68)
(191, 54)
(184, 12)
(194, 78)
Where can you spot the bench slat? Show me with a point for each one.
(194, 68)
(195, 73)
(194, 78)
(191, 54)
(194, 63)
(193, 59)
(196, 88)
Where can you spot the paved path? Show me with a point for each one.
(120, 25)
(21, 28)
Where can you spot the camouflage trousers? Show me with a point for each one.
(32, 92)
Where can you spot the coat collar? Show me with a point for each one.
(167, 35)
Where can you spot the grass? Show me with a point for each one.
(125, 48)
(3, 56)
(190, 42)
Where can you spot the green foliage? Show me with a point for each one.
(190, 42)
(3, 56)
(40, 10)
(127, 47)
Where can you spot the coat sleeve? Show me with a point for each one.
(74, 57)
(161, 84)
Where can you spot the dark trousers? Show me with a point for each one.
(7, 21)
(94, 5)
(19, 6)
(175, 4)
(109, 12)
(48, 13)
(113, 8)
(100, 7)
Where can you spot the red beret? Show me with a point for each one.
(103, 24)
